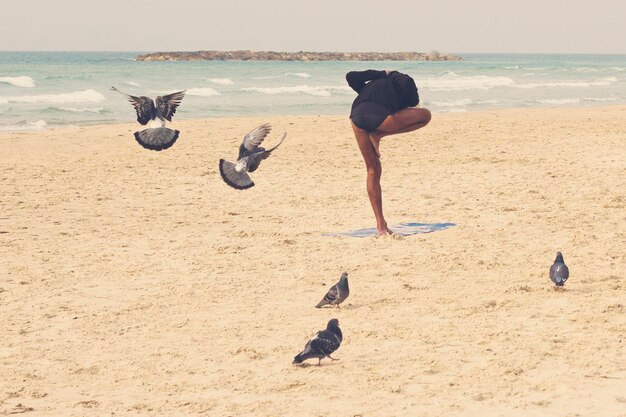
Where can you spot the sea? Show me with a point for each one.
(47, 90)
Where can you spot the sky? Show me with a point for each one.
(483, 26)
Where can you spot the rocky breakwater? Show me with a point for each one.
(297, 56)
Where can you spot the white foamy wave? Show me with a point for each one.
(82, 109)
(221, 81)
(202, 92)
(75, 97)
(453, 82)
(319, 91)
(454, 103)
(599, 99)
(455, 110)
(586, 69)
(134, 84)
(22, 81)
(298, 74)
(287, 74)
(512, 67)
(560, 101)
(574, 84)
(38, 125)
(491, 101)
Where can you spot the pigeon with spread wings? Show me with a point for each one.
(250, 156)
(156, 137)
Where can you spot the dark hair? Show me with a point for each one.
(405, 89)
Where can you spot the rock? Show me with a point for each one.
(297, 56)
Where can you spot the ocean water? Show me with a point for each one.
(42, 90)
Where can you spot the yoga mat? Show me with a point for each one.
(402, 229)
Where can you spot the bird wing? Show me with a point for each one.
(553, 272)
(255, 137)
(324, 342)
(330, 296)
(168, 104)
(144, 106)
(267, 152)
(255, 158)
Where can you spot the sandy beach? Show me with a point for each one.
(136, 283)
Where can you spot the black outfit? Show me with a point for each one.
(380, 95)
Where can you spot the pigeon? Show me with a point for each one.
(559, 272)
(322, 344)
(156, 137)
(337, 293)
(249, 159)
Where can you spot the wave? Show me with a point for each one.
(575, 84)
(574, 100)
(202, 92)
(22, 81)
(38, 125)
(590, 69)
(80, 109)
(453, 82)
(454, 103)
(298, 74)
(221, 81)
(559, 101)
(74, 97)
(287, 74)
(319, 91)
(599, 99)
(447, 73)
(454, 110)
(134, 84)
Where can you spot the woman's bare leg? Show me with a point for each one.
(406, 120)
(374, 172)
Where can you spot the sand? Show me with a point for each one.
(137, 283)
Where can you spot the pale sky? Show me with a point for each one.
(539, 26)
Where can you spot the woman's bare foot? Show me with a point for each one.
(383, 230)
(375, 139)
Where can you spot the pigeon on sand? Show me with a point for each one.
(156, 137)
(337, 293)
(322, 344)
(250, 156)
(559, 272)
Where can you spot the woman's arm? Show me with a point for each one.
(357, 79)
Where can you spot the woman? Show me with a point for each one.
(385, 105)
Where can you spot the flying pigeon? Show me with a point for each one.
(559, 272)
(250, 156)
(337, 293)
(322, 344)
(156, 137)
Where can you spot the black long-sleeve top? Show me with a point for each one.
(393, 91)
(372, 86)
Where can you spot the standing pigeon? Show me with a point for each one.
(559, 272)
(322, 344)
(249, 159)
(156, 137)
(337, 293)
